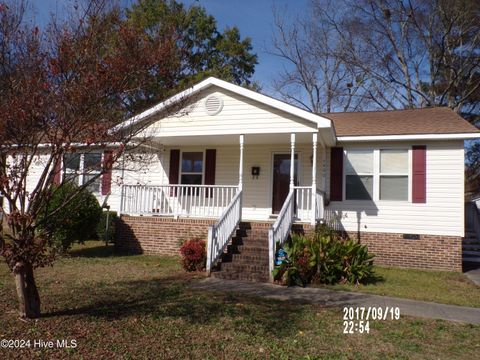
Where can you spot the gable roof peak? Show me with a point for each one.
(319, 120)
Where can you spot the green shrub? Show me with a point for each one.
(324, 258)
(77, 221)
(101, 228)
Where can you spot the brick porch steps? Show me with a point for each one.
(246, 257)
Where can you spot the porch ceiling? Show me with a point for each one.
(233, 139)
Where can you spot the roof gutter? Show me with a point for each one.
(459, 136)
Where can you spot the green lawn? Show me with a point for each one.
(141, 307)
(442, 287)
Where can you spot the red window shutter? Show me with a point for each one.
(419, 174)
(210, 164)
(336, 174)
(57, 178)
(173, 174)
(107, 175)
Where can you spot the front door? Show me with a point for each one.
(281, 179)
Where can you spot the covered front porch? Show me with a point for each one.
(231, 155)
(201, 176)
(280, 178)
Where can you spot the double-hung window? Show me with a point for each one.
(82, 168)
(192, 168)
(359, 175)
(393, 174)
(377, 174)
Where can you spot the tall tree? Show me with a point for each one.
(315, 77)
(60, 88)
(201, 49)
(391, 53)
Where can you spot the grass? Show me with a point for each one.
(437, 286)
(141, 307)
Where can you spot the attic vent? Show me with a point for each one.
(213, 105)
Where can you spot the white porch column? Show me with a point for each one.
(314, 178)
(324, 168)
(292, 160)
(240, 165)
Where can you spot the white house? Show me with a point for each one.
(235, 159)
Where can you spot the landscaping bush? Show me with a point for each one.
(324, 258)
(194, 254)
(101, 228)
(77, 221)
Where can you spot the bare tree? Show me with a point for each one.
(62, 90)
(315, 78)
(396, 54)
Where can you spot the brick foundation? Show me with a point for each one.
(156, 235)
(435, 252)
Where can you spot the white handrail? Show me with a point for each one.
(177, 200)
(219, 234)
(281, 228)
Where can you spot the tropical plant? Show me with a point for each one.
(325, 258)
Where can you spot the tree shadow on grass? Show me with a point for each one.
(96, 251)
(374, 279)
(165, 299)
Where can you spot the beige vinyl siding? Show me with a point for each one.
(146, 171)
(442, 214)
(257, 193)
(257, 199)
(35, 171)
(239, 115)
(141, 169)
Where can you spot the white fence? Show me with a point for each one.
(177, 200)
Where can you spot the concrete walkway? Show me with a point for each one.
(342, 298)
(473, 273)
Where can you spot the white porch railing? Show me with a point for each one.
(304, 203)
(177, 200)
(320, 205)
(280, 229)
(297, 206)
(219, 233)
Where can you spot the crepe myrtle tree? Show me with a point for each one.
(62, 89)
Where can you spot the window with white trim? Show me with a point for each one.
(393, 174)
(83, 167)
(192, 168)
(376, 174)
(359, 175)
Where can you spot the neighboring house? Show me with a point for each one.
(393, 179)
